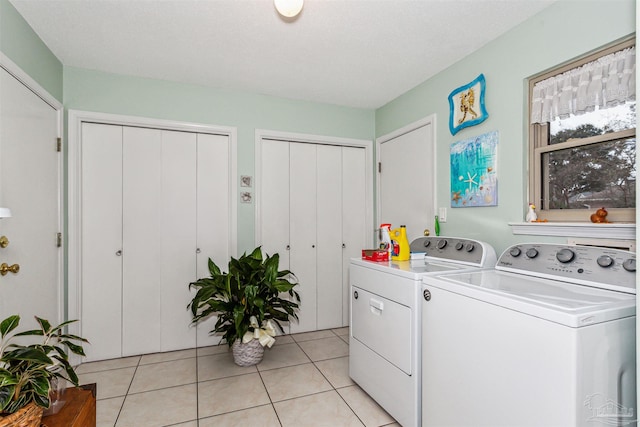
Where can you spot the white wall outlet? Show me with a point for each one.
(442, 214)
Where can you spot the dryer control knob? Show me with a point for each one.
(629, 264)
(605, 261)
(459, 246)
(441, 244)
(515, 252)
(427, 243)
(565, 255)
(532, 253)
(470, 247)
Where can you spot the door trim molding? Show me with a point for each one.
(19, 74)
(265, 134)
(428, 120)
(76, 119)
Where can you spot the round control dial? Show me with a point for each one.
(442, 243)
(605, 261)
(470, 247)
(515, 252)
(459, 246)
(565, 255)
(427, 243)
(531, 253)
(629, 264)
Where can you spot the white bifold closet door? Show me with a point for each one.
(313, 213)
(101, 253)
(329, 236)
(154, 209)
(213, 216)
(302, 231)
(141, 240)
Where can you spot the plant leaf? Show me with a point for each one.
(9, 324)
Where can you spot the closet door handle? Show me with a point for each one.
(118, 252)
(288, 247)
(198, 250)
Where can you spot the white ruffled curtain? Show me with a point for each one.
(605, 82)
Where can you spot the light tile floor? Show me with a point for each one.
(302, 381)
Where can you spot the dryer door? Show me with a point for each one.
(382, 325)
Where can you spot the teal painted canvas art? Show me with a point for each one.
(474, 179)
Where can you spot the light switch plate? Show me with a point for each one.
(442, 214)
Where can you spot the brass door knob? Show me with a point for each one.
(4, 242)
(6, 268)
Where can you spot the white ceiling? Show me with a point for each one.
(359, 53)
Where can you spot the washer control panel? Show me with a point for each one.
(591, 265)
(455, 249)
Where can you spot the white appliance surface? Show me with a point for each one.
(384, 346)
(541, 340)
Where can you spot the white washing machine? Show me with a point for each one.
(384, 343)
(546, 339)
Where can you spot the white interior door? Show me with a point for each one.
(141, 231)
(354, 210)
(329, 236)
(214, 231)
(178, 239)
(302, 228)
(29, 186)
(406, 183)
(101, 202)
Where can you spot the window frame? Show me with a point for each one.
(539, 145)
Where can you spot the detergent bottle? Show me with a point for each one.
(385, 237)
(400, 244)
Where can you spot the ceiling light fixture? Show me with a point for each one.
(288, 8)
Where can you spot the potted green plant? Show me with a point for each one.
(247, 300)
(26, 371)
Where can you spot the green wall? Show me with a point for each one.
(23, 46)
(109, 93)
(565, 30)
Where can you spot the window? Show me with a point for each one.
(583, 137)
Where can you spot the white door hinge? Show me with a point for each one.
(58, 145)
(379, 167)
(59, 240)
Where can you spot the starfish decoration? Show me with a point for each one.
(456, 196)
(471, 180)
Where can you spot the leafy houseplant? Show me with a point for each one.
(26, 371)
(246, 298)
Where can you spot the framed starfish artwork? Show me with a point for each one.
(474, 173)
(466, 105)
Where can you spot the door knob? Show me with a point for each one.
(6, 268)
(4, 242)
(118, 253)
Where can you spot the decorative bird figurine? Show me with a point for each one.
(531, 214)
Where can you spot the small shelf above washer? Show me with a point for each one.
(626, 231)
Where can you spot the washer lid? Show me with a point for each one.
(413, 269)
(560, 302)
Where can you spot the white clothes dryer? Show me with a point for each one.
(384, 342)
(547, 338)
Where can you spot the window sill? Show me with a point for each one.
(623, 231)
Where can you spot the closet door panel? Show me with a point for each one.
(329, 236)
(213, 215)
(274, 200)
(354, 212)
(101, 276)
(302, 210)
(142, 179)
(178, 238)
